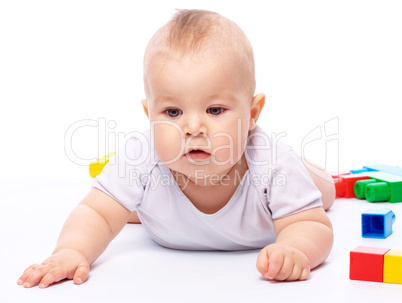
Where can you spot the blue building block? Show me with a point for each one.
(394, 170)
(377, 223)
(362, 170)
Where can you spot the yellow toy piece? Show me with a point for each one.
(96, 167)
(393, 266)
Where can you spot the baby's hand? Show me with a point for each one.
(283, 262)
(64, 264)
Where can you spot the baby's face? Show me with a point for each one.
(200, 113)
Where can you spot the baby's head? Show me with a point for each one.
(199, 83)
(199, 35)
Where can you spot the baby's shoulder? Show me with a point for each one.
(265, 150)
(136, 152)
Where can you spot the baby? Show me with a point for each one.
(205, 176)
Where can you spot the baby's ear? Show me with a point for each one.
(145, 106)
(257, 104)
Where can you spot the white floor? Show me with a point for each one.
(134, 268)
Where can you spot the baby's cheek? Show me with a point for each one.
(226, 150)
(223, 151)
(168, 141)
(229, 146)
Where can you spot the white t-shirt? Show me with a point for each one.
(276, 185)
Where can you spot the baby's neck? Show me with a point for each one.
(210, 195)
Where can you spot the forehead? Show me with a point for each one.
(220, 73)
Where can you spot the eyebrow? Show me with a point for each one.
(226, 96)
(163, 99)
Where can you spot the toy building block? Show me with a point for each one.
(337, 174)
(393, 266)
(394, 170)
(367, 263)
(344, 184)
(380, 187)
(377, 223)
(96, 167)
(361, 170)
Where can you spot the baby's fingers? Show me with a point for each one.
(304, 274)
(54, 275)
(269, 263)
(276, 262)
(296, 273)
(26, 273)
(262, 262)
(34, 276)
(81, 274)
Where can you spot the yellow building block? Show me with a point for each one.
(96, 167)
(393, 266)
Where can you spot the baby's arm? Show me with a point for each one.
(323, 181)
(304, 241)
(85, 235)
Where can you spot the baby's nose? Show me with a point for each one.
(195, 125)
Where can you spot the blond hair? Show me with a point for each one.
(199, 33)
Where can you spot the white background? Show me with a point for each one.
(62, 62)
(333, 63)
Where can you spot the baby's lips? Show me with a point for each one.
(195, 148)
(197, 154)
(197, 151)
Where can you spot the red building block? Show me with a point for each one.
(344, 184)
(367, 263)
(335, 175)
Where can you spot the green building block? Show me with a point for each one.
(380, 187)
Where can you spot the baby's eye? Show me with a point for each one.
(215, 110)
(173, 112)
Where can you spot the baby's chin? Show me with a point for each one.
(201, 170)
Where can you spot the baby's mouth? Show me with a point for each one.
(197, 154)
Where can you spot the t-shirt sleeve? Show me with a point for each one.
(121, 177)
(291, 188)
